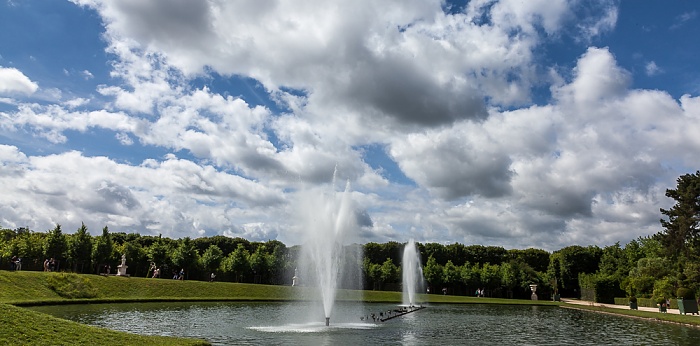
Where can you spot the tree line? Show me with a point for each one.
(650, 266)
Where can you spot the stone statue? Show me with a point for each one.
(295, 278)
(121, 269)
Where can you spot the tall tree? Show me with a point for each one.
(211, 258)
(80, 249)
(237, 263)
(56, 245)
(681, 234)
(433, 273)
(102, 250)
(185, 255)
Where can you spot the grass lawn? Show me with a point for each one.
(25, 327)
(657, 316)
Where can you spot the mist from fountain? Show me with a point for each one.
(328, 221)
(412, 273)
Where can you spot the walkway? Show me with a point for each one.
(624, 307)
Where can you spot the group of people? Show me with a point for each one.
(15, 263)
(479, 292)
(50, 265)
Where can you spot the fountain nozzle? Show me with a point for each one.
(328, 321)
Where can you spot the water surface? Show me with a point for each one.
(302, 324)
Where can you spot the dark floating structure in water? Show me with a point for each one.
(389, 314)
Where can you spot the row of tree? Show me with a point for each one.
(651, 266)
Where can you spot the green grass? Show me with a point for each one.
(25, 327)
(656, 316)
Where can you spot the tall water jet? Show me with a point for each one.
(328, 220)
(412, 273)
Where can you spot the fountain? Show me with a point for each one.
(412, 273)
(328, 221)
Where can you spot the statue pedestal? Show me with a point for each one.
(121, 270)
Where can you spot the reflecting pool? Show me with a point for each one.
(295, 323)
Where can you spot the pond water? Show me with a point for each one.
(295, 323)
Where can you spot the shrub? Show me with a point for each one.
(685, 293)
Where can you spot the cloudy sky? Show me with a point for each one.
(539, 123)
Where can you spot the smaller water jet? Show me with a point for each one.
(412, 273)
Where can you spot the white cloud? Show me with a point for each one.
(652, 69)
(442, 92)
(87, 74)
(14, 82)
(76, 102)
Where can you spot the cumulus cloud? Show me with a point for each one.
(14, 82)
(447, 94)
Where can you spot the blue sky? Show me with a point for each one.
(537, 124)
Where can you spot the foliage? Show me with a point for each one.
(212, 257)
(433, 272)
(664, 288)
(566, 264)
(55, 245)
(237, 263)
(102, 250)
(685, 293)
(389, 271)
(80, 249)
(185, 255)
(681, 234)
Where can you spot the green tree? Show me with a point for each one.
(470, 276)
(157, 253)
(211, 258)
(80, 249)
(490, 275)
(389, 272)
(450, 274)
(56, 245)
(102, 250)
(681, 234)
(185, 255)
(237, 263)
(260, 264)
(433, 273)
(373, 273)
(566, 264)
(642, 277)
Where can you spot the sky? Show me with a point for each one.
(539, 123)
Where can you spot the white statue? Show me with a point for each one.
(121, 269)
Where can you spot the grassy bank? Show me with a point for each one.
(25, 327)
(33, 288)
(688, 320)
